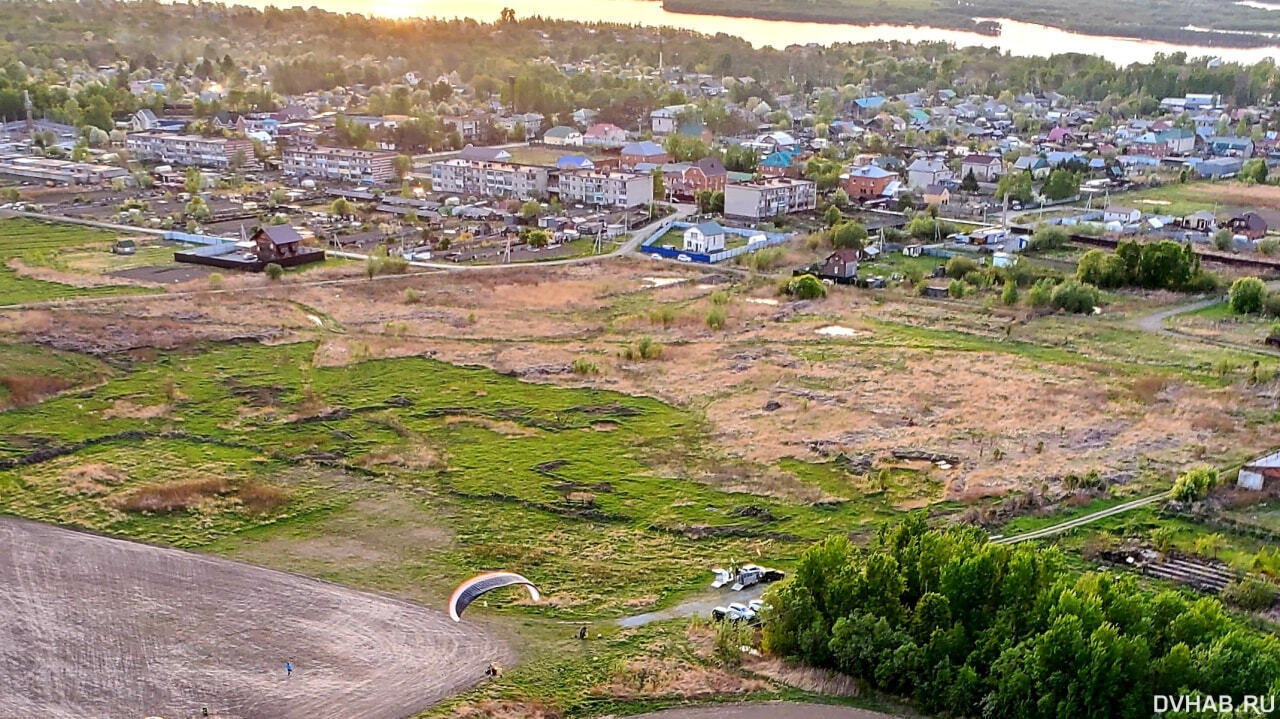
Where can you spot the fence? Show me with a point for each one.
(770, 238)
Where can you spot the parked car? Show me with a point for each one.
(684, 258)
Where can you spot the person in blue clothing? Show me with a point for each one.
(288, 669)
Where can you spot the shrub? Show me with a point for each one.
(1223, 240)
(215, 279)
(1041, 293)
(764, 259)
(957, 289)
(412, 296)
(806, 287)
(715, 318)
(1269, 246)
(958, 267)
(1252, 593)
(1074, 296)
(720, 297)
(583, 365)
(1010, 294)
(274, 271)
(172, 496)
(1247, 296)
(1271, 305)
(1194, 485)
(260, 498)
(644, 349)
(663, 315)
(1048, 237)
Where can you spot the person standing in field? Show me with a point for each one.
(288, 669)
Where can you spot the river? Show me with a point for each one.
(1017, 38)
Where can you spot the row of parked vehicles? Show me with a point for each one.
(746, 576)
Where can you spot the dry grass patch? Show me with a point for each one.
(1147, 388)
(123, 408)
(182, 494)
(92, 479)
(419, 457)
(260, 498)
(653, 677)
(506, 709)
(25, 389)
(799, 676)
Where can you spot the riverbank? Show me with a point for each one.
(1224, 26)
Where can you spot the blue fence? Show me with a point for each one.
(770, 238)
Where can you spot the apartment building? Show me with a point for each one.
(189, 150)
(490, 179)
(762, 199)
(339, 163)
(613, 189)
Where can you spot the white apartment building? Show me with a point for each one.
(762, 199)
(190, 150)
(339, 163)
(490, 179)
(613, 189)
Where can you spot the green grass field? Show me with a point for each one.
(38, 243)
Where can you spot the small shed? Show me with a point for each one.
(1255, 474)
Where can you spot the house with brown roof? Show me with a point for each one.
(1250, 224)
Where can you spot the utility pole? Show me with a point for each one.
(26, 103)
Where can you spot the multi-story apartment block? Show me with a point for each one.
(614, 189)
(490, 179)
(761, 199)
(193, 150)
(339, 163)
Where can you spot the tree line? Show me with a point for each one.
(967, 628)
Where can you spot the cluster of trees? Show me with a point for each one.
(1163, 265)
(971, 629)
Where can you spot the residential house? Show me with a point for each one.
(770, 196)
(562, 136)
(490, 179)
(604, 135)
(705, 237)
(1230, 146)
(1200, 221)
(937, 195)
(927, 171)
(777, 164)
(867, 182)
(1123, 215)
(1060, 136)
(144, 119)
(985, 168)
(1219, 167)
(841, 265)
(1035, 164)
(686, 180)
(666, 120)
(1250, 224)
(484, 154)
(277, 242)
(646, 151)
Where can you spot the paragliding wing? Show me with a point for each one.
(470, 590)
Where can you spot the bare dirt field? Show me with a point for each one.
(99, 627)
(767, 710)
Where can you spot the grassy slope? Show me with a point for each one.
(39, 241)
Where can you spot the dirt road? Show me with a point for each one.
(701, 605)
(767, 710)
(99, 627)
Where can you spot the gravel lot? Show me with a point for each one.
(99, 627)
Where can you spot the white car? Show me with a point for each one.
(684, 258)
(743, 612)
(656, 256)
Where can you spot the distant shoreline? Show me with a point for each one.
(979, 24)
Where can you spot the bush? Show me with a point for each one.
(1102, 269)
(1048, 237)
(1269, 246)
(765, 258)
(720, 297)
(1247, 296)
(1271, 305)
(958, 267)
(1223, 240)
(1075, 296)
(1194, 485)
(215, 279)
(1252, 593)
(585, 366)
(715, 318)
(1010, 294)
(1041, 293)
(411, 296)
(663, 315)
(957, 289)
(274, 271)
(644, 349)
(806, 287)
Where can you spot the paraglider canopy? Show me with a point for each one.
(470, 590)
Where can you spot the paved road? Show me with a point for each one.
(767, 710)
(1080, 521)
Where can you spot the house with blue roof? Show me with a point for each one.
(575, 162)
(1231, 146)
(869, 105)
(777, 163)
